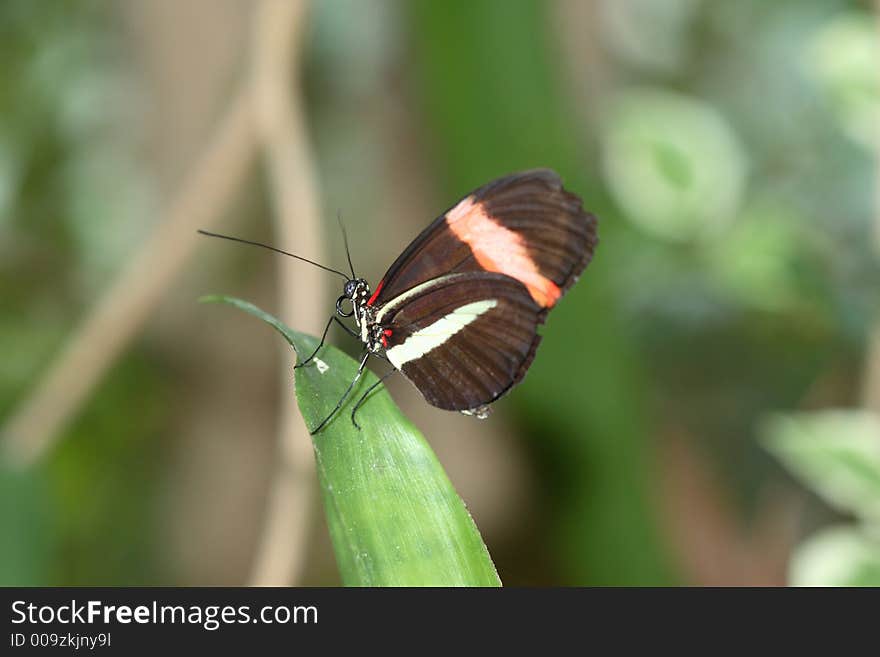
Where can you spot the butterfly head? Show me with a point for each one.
(356, 290)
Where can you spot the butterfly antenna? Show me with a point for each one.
(345, 240)
(272, 248)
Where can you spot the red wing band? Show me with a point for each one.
(500, 249)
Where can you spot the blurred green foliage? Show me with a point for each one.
(726, 148)
(71, 202)
(837, 455)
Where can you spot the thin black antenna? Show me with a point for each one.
(345, 239)
(272, 248)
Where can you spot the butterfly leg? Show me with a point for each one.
(366, 394)
(344, 395)
(324, 337)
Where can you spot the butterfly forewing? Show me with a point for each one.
(463, 339)
(525, 226)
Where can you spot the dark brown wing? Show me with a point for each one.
(464, 339)
(524, 225)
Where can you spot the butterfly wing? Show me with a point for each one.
(463, 339)
(525, 226)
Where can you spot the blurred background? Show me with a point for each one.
(703, 407)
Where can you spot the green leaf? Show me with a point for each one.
(673, 163)
(29, 519)
(835, 453)
(394, 517)
(840, 556)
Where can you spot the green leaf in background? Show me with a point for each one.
(835, 453)
(394, 517)
(755, 262)
(842, 59)
(673, 163)
(841, 556)
(27, 518)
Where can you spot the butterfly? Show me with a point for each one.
(458, 311)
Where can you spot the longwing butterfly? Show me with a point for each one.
(458, 311)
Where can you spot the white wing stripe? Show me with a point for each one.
(434, 335)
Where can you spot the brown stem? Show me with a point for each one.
(279, 32)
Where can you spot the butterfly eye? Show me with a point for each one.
(350, 289)
(339, 310)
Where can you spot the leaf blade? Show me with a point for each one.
(836, 453)
(394, 516)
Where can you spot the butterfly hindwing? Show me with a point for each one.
(463, 339)
(525, 226)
